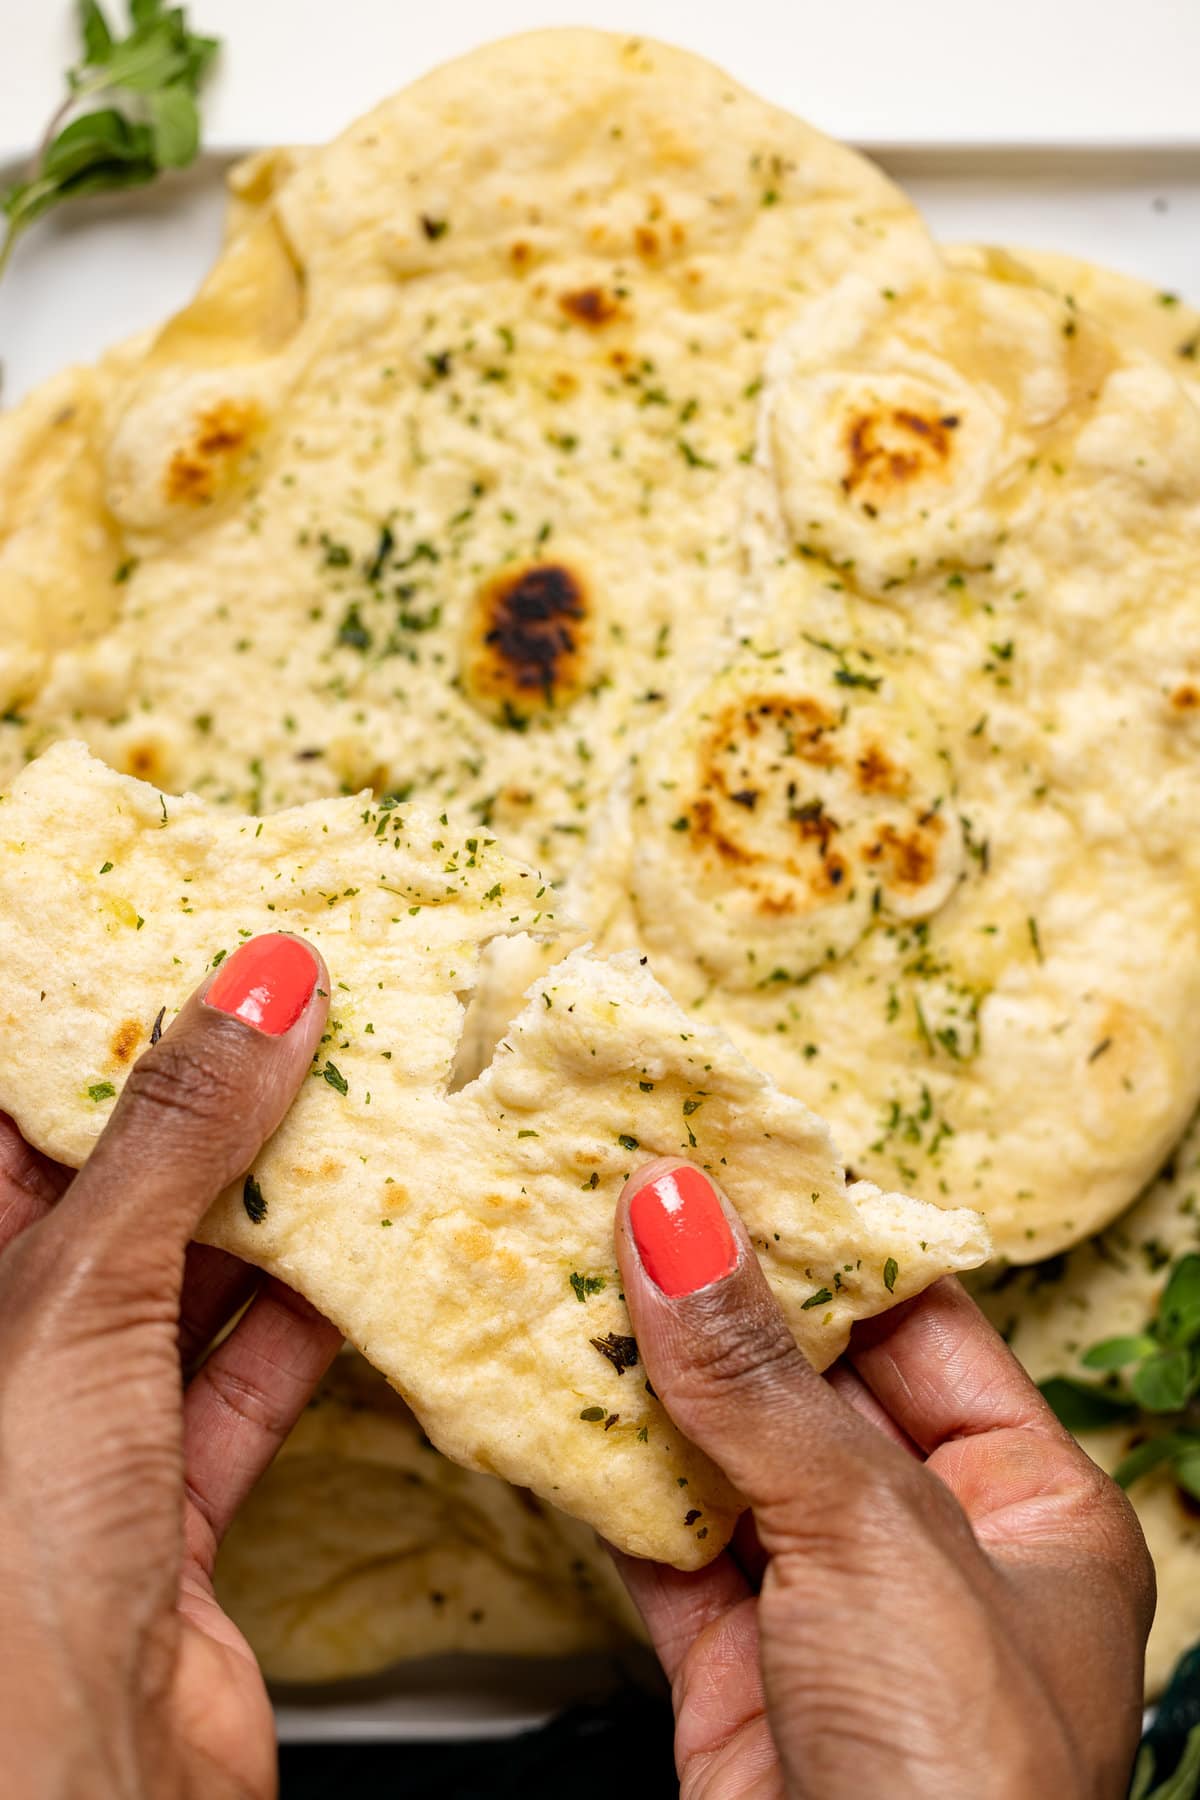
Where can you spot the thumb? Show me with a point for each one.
(723, 1362)
(194, 1113)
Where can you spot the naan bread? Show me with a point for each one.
(461, 1240)
(362, 1547)
(1110, 1288)
(443, 468)
(1136, 312)
(60, 559)
(926, 845)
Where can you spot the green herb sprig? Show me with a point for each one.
(1159, 1376)
(150, 79)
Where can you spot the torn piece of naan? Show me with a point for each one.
(462, 1240)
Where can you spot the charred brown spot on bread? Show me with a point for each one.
(646, 241)
(755, 814)
(222, 435)
(908, 858)
(876, 773)
(520, 254)
(889, 447)
(804, 724)
(125, 1040)
(145, 761)
(562, 384)
(1186, 697)
(529, 641)
(705, 829)
(590, 305)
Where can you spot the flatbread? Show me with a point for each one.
(926, 845)
(461, 1240)
(60, 557)
(1154, 319)
(443, 467)
(361, 1547)
(1109, 1288)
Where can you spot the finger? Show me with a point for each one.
(676, 1604)
(244, 1400)
(1032, 1495)
(745, 1547)
(724, 1363)
(29, 1183)
(195, 1111)
(940, 1371)
(216, 1286)
(850, 1387)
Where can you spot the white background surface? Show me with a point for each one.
(875, 71)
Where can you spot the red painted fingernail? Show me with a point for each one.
(267, 983)
(682, 1234)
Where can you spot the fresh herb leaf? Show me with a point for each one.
(1146, 1456)
(101, 1090)
(97, 38)
(891, 1269)
(1185, 1466)
(585, 1285)
(1164, 1382)
(1117, 1352)
(1178, 1321)
(1184, 1781)
(820, 1298)
(174, 125)
(116, 146)
(1081, 1406)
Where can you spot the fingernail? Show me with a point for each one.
(267, 983)
(682, 1234)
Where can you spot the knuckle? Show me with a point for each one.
(246, 1401)
(186, 1078)
(739, 1353)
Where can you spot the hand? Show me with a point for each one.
(935, 1593)
(119, 1674)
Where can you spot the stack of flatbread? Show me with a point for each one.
(714, 674)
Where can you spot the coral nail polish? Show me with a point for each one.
(681, 1232)
(267, 983)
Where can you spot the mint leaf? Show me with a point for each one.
(1164, 1382)
(1186, 1469)
(160, 61)
(1151, 1454)
(97, 38)
(1080, 1406)
(96, 137)
(174, 126)
(147, 60)
(1178, 1321)
(200, 53)
(1182, 1784)
(1116, 1352)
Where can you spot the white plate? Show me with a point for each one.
(946, 71)
(93, 274)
